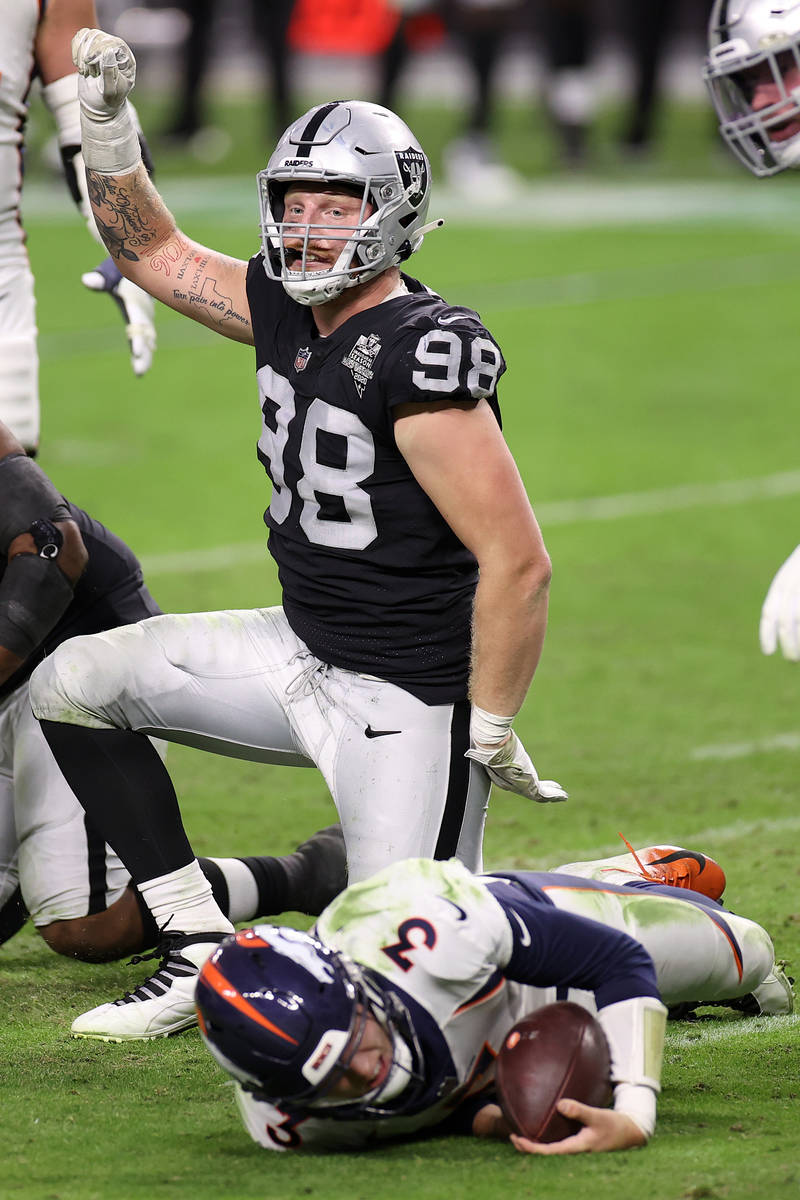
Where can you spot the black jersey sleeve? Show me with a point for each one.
(445, 355)
(553, 948)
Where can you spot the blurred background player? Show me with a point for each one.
(387, 1019)
(270, 25)
(753, 74)
(480, 29)
(413, 571)
(63, 573)
(35, 41)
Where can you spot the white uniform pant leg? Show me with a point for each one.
(396, 769)
(19, 360)
(9, 874)
(701, 953)
(65, 869)
(211, 680)
(241, 683)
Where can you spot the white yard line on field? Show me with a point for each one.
(556, 512)
(549, 203)
(722, 1031)
(733, 831)
(700, 839)
(727, 750)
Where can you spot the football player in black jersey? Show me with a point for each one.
(415, 579)
(63, 573)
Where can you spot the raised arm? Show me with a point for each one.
(135, 224)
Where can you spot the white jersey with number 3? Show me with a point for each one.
(453, 943)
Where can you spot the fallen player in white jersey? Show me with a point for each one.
(387, 1019)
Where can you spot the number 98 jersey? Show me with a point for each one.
(374, 580)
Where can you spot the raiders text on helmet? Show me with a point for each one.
(367, 149)
(746, 36)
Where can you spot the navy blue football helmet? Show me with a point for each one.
(285, 1016)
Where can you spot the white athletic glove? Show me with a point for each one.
(106, 73)
(495, 745)
(137, 310)
(780, 616)
(107, 69)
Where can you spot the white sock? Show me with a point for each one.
(242, 888)
(183, 901)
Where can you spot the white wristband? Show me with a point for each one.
(486, 729)
(111, 147)
(637, 1102)
(634, 1031)
(61, 98)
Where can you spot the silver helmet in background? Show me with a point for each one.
(369, 151)
(755, 44)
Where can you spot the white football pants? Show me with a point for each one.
(19, 359)
(63, 869)
(700, 952)
(242, 684)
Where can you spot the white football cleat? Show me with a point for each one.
(164, 1003)
(773, 997)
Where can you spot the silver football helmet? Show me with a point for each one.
(360, 146)
(743, 35)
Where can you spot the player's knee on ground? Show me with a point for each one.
(99, 937)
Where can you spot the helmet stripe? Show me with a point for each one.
(307, 136)
(216, 980)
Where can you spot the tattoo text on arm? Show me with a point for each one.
(129, 218)
(125, 224)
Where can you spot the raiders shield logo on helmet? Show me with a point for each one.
(301, 358)
(414, 174)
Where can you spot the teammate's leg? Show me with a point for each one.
(671, 865)
(19, 360)
(202, 679)
(12, 909)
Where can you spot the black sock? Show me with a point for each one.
(272, 881)
(121, 782)
(304, 881)
(13, 916)
(219, 885)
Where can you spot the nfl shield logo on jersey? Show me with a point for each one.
(361, 358)
(301, 358)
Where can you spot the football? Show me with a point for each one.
(557, 1052)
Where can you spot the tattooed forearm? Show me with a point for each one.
(202, 293)
(129, 215)
(149, 249)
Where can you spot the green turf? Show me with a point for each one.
(641, 357)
